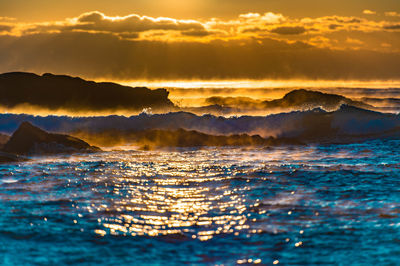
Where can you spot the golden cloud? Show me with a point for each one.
(249, 25)
(392, 14)
(253, 45)
(369, 12)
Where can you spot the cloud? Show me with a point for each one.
(253, 46)
(334, 26)
(347, 20)
(129, 35)
(392, 27)
(354, 41)
(249, 25)
(197, 33)
(7, 19)
(392, 14)
(289, 30)
(250, 15)
(272, 18)
(130, 26)
(252, 30)
(269, 17)
(132, 23)
(5, 28)
(100, 55)
(369, 12)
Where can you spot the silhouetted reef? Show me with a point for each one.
(10, 158)
(313, 99)
(3, 139)
(179, 138)
(63, 92)
(31, 140)
(295, 100)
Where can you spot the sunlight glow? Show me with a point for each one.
(191, 84)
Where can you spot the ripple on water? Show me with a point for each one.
(220, 206)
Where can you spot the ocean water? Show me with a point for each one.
(319, 204)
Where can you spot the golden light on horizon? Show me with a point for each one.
(258, 84)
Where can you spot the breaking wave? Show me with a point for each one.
(347, 124)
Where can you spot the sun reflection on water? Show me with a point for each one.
(201, 194)
(172, 198)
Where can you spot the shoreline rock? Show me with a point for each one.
(3, 139)
(31, 140)
(11, 158)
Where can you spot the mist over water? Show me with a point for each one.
(222, 98)
(225, 176)
(246, 101)
(296, 205)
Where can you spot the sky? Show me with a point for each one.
(203, 39)
(47, 10)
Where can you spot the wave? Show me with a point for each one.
(346, 124)
(294, 100)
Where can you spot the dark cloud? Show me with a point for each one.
(252, 29)
(107, 56)
(347, 20)
(132, 35)
(196, 33)
(392, 27)
(132, 23)
(5, 28)
(289, 30)
(334, 26)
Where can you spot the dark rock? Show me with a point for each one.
(28, 139)
(294, 100)
(272, 141)
(10, 158)
(149, 139)
(313, 99)
(60, 91)
(3, 139)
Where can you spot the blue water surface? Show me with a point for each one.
(326, 204)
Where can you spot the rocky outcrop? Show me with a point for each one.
(313, 99)
(180, 138)
(294, 100)
(3, 139)
(10, 158)
(31, 140)
(63, 92)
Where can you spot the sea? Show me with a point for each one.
(332, 204)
